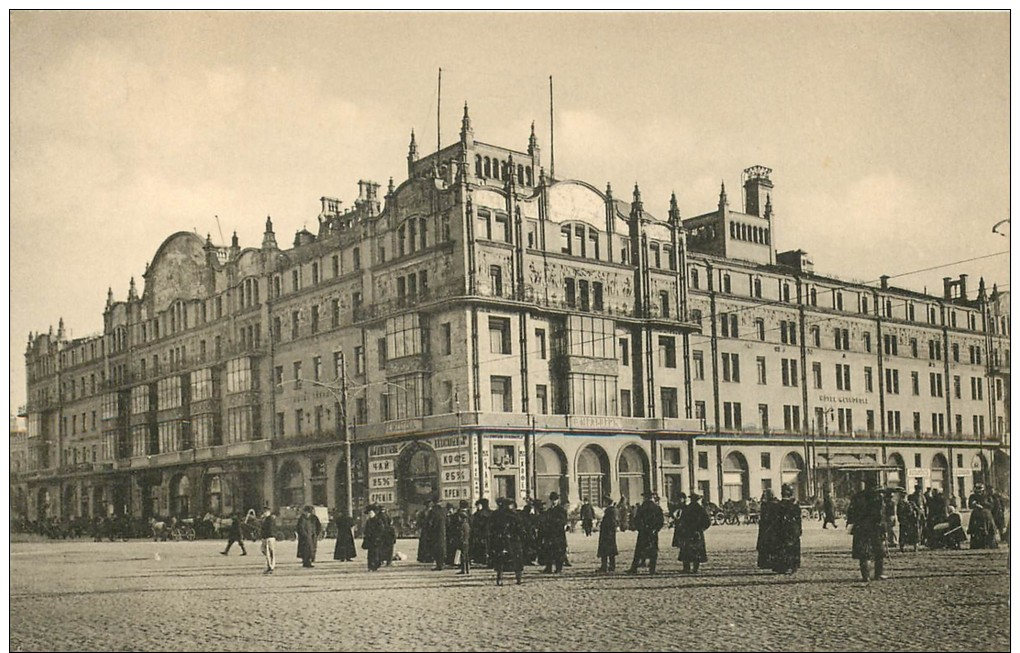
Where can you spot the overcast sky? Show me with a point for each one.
(888, 134)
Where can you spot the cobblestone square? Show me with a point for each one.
(141, 595)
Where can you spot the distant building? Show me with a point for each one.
(508, 334)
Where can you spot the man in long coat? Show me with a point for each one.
(506, 534)
(867, 515)
(607, 550)
(587, 517)
(554, 534)
(308, 529)
(437, 533)
(425, 545)
(372, 541)
(648, 521)
(766, 529)
(480, 531)
(786, 531)
(690, 536)
(908, 514)
(344, 549)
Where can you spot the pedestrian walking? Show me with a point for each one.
(234, 535)
(607, 550)
(786, 532)
(648, 521)
(766, 529)
(344, 549)
(506, 533)
(867, 516)
(387, 536)
(480, 530)
(308, 529)
(464, 537)
(437, 534)
(269, 539)
(587, 517)
(828, 511)
(372, 540)
(691, 527)
(553, 527)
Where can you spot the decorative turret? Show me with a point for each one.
(412, 154)
(269, 238)
(674, 212)
(768, 207)
(511, 178)
(533, 142)
(757, 189)
(467, 134)
(132, 291)
(723, 202)
(638, 205)
(60, 329)
(609, 191)
(109, 297)
(982, 293)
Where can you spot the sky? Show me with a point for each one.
(888, 133)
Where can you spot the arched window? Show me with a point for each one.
(939, 468)
(180, 496)
(793, 474)
(478, 165)
(592, 471)
(422, 229)
(551, 471)
(735, 477)
(488, 167)
(633, 472)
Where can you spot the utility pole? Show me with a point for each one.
(346, 435)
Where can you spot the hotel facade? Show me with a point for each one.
(483, 330)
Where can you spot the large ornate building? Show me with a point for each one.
(491, 331)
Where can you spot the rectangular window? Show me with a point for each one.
(731, 415)
(766, 460)
(845, 420)
(502, 401)
(624, 351)
(447, 337)
(571, 293)
(871, 421)
(868, 381)
(762, 377)
(381, 350)
(917, 423)
(596, 295)
(763, 417)
(297, 374)
(295, 318)
(669, 402)
(667, 351)
(915, 384)
(759, 327)
(542, 399)
(956, 387)
(842, 377)
(791, 419)
(499, 335)
(584, 299)
(540, 340)
(790, 372)
(867, 342)
(699, 409)
(698, 361)
(816, 375)
(317, 368)
(359, 359)
(892, 381)
(625, 403)
(731, 367)
(913, 347)
(702, 460)
(315, 318)
(496, 280)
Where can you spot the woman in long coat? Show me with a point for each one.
(607, 537)
(344, 549)
(766, 527)
(308, 529)
(867, 514)
(690, 535)
(786, 531)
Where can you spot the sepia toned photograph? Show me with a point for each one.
(501, 331)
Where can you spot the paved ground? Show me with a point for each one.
(184, 596)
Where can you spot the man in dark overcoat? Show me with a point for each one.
(437, 533)
(554, 534)
(867, 516)
(648, 521)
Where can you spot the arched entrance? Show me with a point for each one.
(939, 472)
(551, 471)
(67, 505)
(319, 482)
(180, 496)
(292, 484)
(592, 473)
(42, 503)
(735, 478)
(98, 501)
(896, 477)
(633, 472)
(417, 477)
(214, 494)
(792, 473)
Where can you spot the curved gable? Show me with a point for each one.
(176, 271)
(576, 201)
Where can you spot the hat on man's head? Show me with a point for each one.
(608, 500)
(695, 496)
(464, 503)
(554, 496)
(787, 491)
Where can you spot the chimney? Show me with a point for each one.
(885, 281)
(947, 288)
(963, 287)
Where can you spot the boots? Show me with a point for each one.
(865, 572)
(880, 569)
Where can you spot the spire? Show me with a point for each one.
(132, 291)
(768, 206)
(532, 141)
(233, 241)
(467, 134)
(674, 211)
(981, 288)
(638, 204)
(390, 187)
(609, 191)
(269, 238)
(109, 297)
(722, 196)
(208, 241)
(60, 329)
(412, 149)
